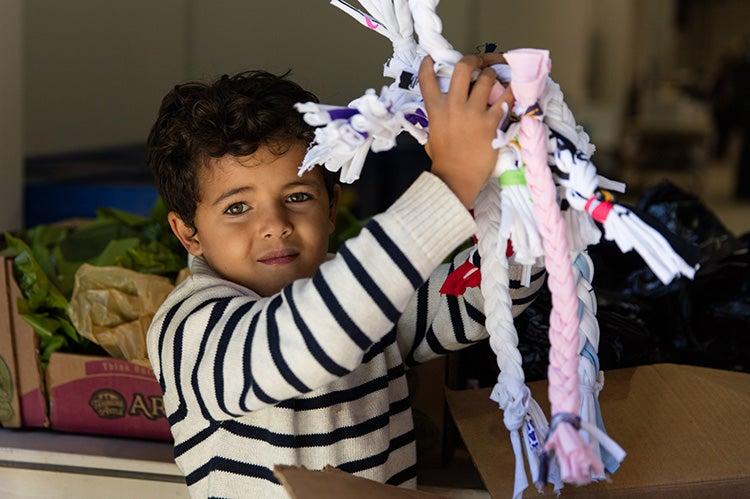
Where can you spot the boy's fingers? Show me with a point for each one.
(461, 79)
(502, 105)
(492, 58)
(480, 93)
(427, 81)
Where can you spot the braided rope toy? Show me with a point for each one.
(544, 157)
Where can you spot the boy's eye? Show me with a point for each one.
(299, 197)
(237, 209)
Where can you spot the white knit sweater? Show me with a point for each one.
(314, 375)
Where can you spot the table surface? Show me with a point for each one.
(48, 450)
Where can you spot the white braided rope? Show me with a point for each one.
(510, 391)
(429, 28)
(343, 144)
(393, 20)
(591, 380)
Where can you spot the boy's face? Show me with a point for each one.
(258, 223)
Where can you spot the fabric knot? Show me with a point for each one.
(515, 406)
(467, 275)
(534, 111)
(599, 210)
(564, 417)
(595, 387)
(514, 414)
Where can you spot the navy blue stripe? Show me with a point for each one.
(274, 344)
(181, 412)
(476, 259)
(457, 322)
(364, 279)
(246, 367)
(216, 313)
(342, 396)
(316, 439)
(338, 312)
(162, 335)
(381, 345)
(434, 343)
(398, 256)
(218, 463)
(262, 395)
(221, 352)
(525, 299)
(403, 476)
(517, 284)
(474, 313)
(323, 359)
(421, 327)
(196, 439)
(380, 458)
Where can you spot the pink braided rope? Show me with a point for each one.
(529, 70)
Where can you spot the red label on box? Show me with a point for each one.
(34, 409)
(110, 405)
(115, 366)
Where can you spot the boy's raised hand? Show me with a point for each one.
(462, 124)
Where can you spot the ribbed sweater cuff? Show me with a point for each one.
(434, 217)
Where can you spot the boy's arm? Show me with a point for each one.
(434, 324)
(226, 355)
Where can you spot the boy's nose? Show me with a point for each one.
(281, 232)
(276, 224)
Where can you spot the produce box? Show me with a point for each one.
(22, 384)
(10, 407)
(106, 396)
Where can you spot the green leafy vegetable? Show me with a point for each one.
(47, 257)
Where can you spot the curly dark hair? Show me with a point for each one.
(233, 115)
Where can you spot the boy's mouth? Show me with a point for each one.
(279, 257)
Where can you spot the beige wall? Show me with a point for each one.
(328, 52)
(96, 70)
(11, 114)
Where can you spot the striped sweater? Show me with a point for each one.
(314, 375)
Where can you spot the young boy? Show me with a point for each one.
(272, 352)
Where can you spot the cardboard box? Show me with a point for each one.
(429, 409)
(333, 483)
(102, 395)
(684, 428)
(30, 380)
(10, 406)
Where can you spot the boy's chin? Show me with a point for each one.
(270, 288)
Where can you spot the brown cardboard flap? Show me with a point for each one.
(10, 406)
(684, 428)
(333, 483)
(31, 389)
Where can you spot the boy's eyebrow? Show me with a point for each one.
(298, 183)
(232, 192)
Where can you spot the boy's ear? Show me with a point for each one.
(188, 236)
(333, 209)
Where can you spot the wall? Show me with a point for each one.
(97, 70)
(11, 114)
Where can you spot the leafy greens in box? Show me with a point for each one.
(46, 258)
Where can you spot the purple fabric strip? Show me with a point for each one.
(343, 113)
(417, 118)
